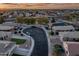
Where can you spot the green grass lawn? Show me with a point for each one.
(18, 41)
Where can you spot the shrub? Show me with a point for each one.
(58, 49)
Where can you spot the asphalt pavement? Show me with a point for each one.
(41, 43)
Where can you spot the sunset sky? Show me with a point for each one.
(38, 6)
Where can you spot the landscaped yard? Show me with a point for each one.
(18, 41)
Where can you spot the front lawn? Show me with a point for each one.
(18, 41)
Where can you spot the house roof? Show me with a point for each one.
(5, 27)
(73, 48)
(2, 34)
(63, 28)
(10, 24)
(6, 47)
(74, 34)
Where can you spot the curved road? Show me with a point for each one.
(41, 43)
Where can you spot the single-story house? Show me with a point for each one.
(71, 48)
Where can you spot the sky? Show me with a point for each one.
(38, 5)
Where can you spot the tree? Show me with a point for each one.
(1, 19)
(58, 50)
(53, 20)
(30, 20)
(25, 20)
(57, 33)
(72, 17)
(77, 29)
(52, 33)
(20, 19)
(43, 20)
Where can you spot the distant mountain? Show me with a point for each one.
(6, 6)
